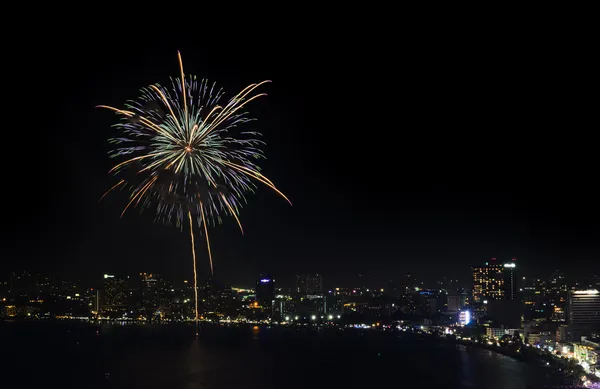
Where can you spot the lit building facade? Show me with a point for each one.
(584, 308)
(464, 317)
(115, 293)
(557, 294)
(488, 281)
(495, 333)
(115, 290)
(10, 311)
(510, 280)
(495, 281)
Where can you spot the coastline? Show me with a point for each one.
(528, 355)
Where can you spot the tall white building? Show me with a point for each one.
(584, 308)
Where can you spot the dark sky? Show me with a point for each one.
(416, 149)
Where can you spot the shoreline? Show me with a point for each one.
(532, 356)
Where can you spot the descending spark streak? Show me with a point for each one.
(134, 196)
(250, 171)
(232, 212)
(144, 191)
(212, 270)
(195, 274)
(113, 187)
(258, 177)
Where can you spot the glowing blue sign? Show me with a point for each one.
(265, 280)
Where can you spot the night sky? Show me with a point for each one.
(423, 151)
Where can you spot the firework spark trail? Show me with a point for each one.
(183, 87)
(113, 187)
(212, 270)
(233, 213)
(182, 154)
(195, 273)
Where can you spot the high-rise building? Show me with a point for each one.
(584, 308)
(510, 280)
(149, 291)
(311, 284)
(265, 291)
(556, 293)
(495, 281)
(115, 293)
(488, 281)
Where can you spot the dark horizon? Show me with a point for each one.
(429, 157)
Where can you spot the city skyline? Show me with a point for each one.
(499, 296)
(290, 280)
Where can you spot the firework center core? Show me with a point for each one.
(188, 149)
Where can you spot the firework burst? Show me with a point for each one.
(183, 153)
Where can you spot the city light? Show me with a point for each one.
(266, 307)
(589, 291)
(509, 265)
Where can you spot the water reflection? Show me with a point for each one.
(171, 357)
(490, 370)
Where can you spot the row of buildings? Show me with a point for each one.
(150, 297)
(503, 299)
(500, 297)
